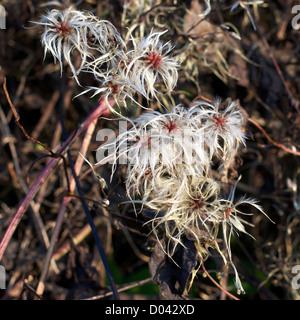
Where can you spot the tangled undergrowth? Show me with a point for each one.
(150, 149)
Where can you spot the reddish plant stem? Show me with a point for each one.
(63, 207)
(276, 144)
(216, 283)
(99, 110)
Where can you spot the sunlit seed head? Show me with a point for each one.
(228, 212)
(63, 28)
(198, 203)
(171, 126)
(219, 121)
(153, 59)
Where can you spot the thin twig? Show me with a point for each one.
(134, 247)
(26, 286)
(216, 283)
(78, 238)
(278, 145)
(49, 109)
(17, 120)
(125, 288)
(224, 282)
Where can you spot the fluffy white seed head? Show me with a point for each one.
(186, 206)
(159, 142)
(150, 62)
(68, 30)
(223, 128)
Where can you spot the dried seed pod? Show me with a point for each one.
(105, 203)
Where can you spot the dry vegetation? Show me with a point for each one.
(51, 253)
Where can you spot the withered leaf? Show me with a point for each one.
(174, 280)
